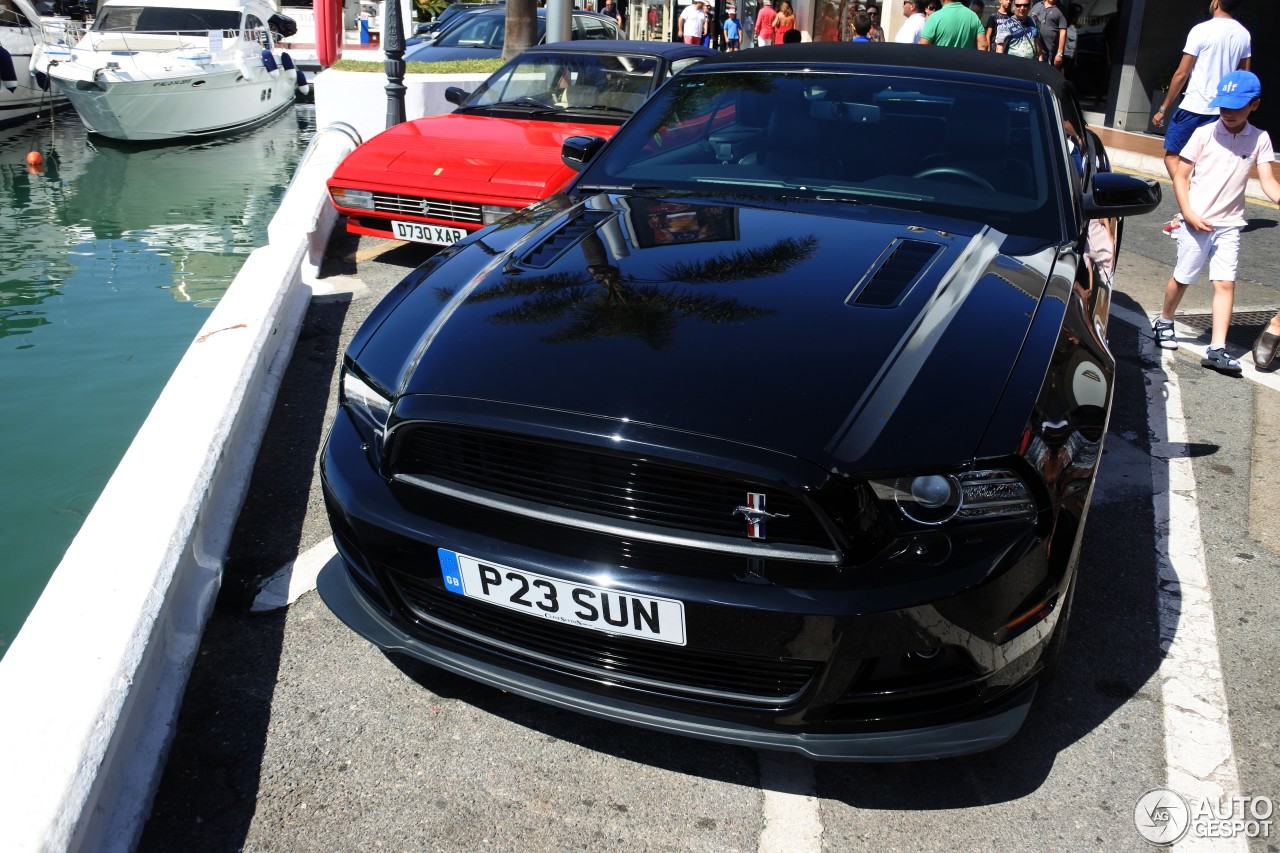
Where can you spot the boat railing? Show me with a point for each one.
(12, 18)
(64, 33)
(150, 41)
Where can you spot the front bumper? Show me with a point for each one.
(986, 731)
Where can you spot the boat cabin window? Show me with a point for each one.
(255, 30)
(164, 19)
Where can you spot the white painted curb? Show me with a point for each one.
(92, 684)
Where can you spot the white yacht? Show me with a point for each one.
(173, 69)
(21, 95)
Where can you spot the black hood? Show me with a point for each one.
(848, 343)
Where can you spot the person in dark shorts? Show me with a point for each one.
(1214, 48)
(732, 30)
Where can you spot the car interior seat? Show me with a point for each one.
(796, 147)
(581, 95)
(979, 140)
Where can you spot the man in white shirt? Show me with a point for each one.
(1214, 48)
(909, 32)
(693, 22)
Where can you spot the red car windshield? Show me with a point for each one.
(570, 81)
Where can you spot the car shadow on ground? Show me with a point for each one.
(207, 794)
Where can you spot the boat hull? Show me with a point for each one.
(184, 105)
(27, 99)
(26, 102)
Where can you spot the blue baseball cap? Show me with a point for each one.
(1237, 89)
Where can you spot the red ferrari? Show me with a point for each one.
(432, 180)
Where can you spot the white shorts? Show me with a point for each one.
(1220, 247)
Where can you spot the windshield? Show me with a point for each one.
(940, 146)
(163, 19)
(482, 30)
(570, 81)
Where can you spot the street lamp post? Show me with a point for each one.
(393, 44)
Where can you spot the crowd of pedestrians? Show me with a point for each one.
(1042, 30)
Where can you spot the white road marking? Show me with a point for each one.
(792, 822)
(285, 586)
(1199, 756)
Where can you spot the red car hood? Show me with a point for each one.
(467, 155)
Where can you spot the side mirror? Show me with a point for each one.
(577, 151)
(454, 95)
(1115, 194)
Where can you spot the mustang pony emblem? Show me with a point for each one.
(755, 514)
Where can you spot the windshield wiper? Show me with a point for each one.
(604, 108)
(620, 188)
(525, 102)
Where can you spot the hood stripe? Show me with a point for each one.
(463, 294)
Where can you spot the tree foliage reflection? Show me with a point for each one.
(601, 301)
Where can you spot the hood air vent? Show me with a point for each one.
(886, 286)
(545, 253)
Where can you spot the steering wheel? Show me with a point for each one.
(957, 172)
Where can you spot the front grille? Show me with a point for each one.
(617, 486)
(671, 669)
(431, 208)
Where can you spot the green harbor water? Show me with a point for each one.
(111, 259)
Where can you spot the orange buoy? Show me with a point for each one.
(35, 158)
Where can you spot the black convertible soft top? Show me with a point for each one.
(670, 50)
(920, 56)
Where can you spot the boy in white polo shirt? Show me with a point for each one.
(1209, 181)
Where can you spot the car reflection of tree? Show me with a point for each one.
(605, 303)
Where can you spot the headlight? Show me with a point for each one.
(491, 213)
(972, 496)
(344, 197)
(369, 406)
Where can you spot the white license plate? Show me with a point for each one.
(421, 232)
(598, 608)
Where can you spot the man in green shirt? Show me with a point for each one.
(954, 25)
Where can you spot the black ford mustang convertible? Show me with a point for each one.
(778, 428)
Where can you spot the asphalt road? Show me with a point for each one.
(296, 735)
